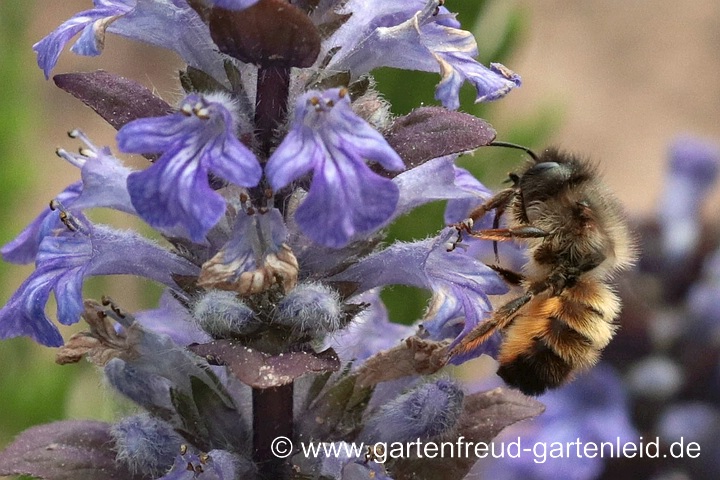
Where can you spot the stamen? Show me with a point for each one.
(203, 113)
(464, 226)
(186, 110)
(79, 134)
(67, 218)
(315, 102)
(75, 160)
(86, 152)
(246, 204)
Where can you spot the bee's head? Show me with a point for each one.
(543, 180)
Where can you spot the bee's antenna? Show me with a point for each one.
(519, 147)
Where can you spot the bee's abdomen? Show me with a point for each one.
(555, 336)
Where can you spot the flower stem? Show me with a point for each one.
(272, 418)
(273, 87)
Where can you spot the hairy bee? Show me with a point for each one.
(577, 239)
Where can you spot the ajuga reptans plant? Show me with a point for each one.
(271, 182)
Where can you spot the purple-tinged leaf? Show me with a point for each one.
(414, 356)
(67, 450)
(117, 99)
(337, 411)
(261, 370)
(270, 33)
(432, 132)
(485, 414)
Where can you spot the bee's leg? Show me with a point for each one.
(499, 320)
(510, 277)
(503, 234)
(497, 202)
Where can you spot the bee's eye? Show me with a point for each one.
(542, 168)
(543, 180)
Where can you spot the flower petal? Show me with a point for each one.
(345, 198)
(412, 35)
(90, 22)
(174, 192)
(62, 264)
(345, 201)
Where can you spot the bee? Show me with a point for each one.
(577, 239)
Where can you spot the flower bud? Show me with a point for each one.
(222, 314)
(425, 412)
(311, 308)
(146, 444)
(151, 392)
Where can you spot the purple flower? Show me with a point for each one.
(64, 261)
(200, 138)
(103, 184)
(415, 35)
(170, 24)
(271, 188)
(458, 210)
(92, 23)
(693, 168)
(254, 257)
(345, 198)
(460, 284)
(24, 248)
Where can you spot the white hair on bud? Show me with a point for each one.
(145, 444)
(311, 308)
(222, 314)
